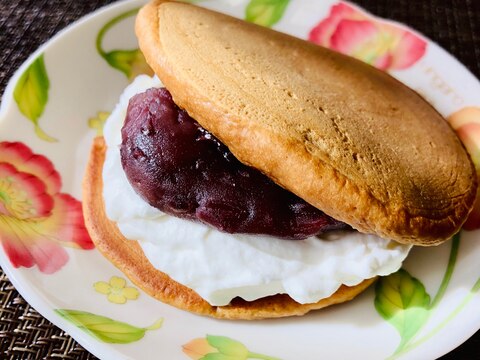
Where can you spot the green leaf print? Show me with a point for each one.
(473, 291)
(400, 289)
(228, 346)
(130, 62)
(407, 344)
(218, 356)
(106, 329)
(265, 12)
(31, 94)
(402, 300)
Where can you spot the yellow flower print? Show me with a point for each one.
(96, 123)
(116, 290)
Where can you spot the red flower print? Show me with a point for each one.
(466, 123)
(379, 43)
(36, 220)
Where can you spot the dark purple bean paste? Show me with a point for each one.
(183, 170)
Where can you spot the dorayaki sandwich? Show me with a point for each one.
(258, 175)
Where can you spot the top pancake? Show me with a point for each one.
(344, 136)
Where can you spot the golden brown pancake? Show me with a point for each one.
(129, 258)
(342, 135)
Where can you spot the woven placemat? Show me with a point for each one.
(26, 24)
(25, 334)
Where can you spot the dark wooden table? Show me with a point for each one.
(26, 24)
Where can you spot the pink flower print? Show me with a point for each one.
(36, 220)
(376, 42)
(466, 123)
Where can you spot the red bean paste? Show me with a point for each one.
(182, 169)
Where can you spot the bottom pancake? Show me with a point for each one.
(129, 258)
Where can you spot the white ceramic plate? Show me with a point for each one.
(53, 106)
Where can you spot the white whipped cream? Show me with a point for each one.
(220, 266)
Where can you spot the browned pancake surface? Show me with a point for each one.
(129, 258)
(346, 137)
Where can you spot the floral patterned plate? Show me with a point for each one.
(57, 102)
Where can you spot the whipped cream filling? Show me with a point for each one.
(221, 266)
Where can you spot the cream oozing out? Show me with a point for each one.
(220, 266)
